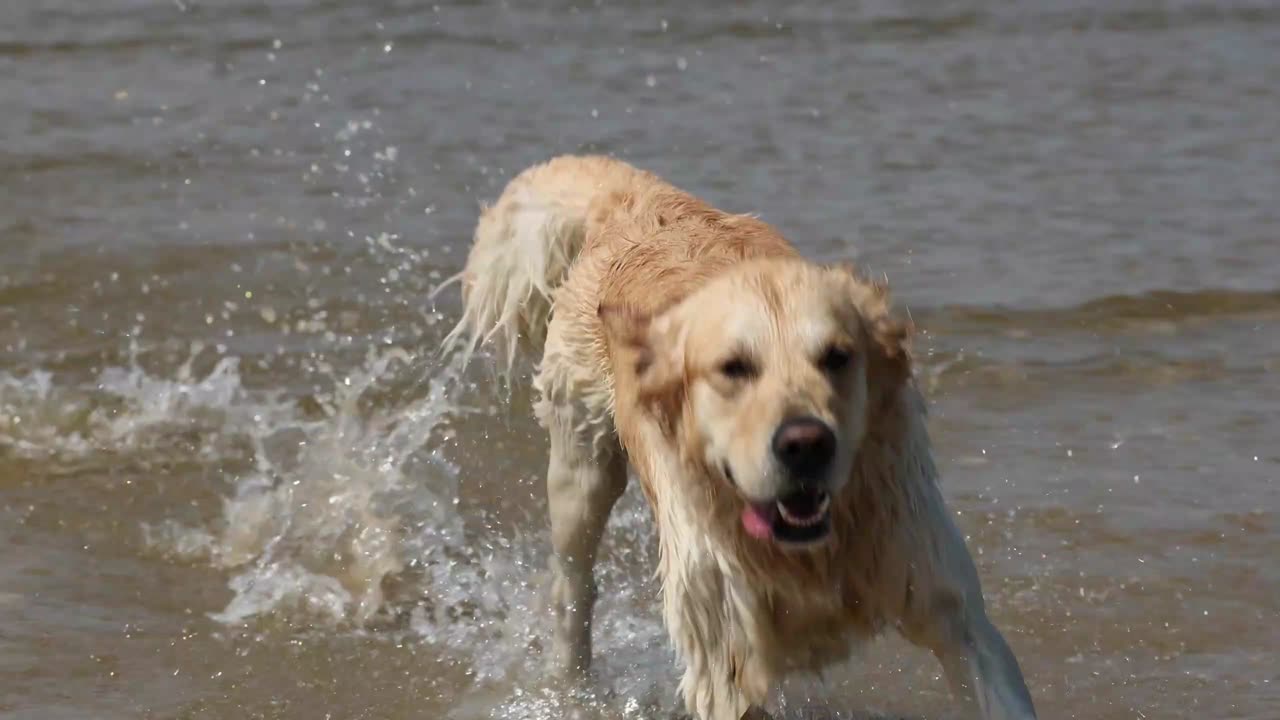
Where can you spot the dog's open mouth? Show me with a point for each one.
(799, 518)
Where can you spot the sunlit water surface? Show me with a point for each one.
(237, 479)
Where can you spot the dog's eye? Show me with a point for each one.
(737, 368)
(834, 359)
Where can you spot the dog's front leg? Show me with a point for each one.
(948, 616)
(979, 666)
(583, 483)
(710, 692)
(704, 614)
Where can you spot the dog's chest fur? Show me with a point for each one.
(731, 623)
(815, 634)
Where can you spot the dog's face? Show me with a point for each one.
(773, 371)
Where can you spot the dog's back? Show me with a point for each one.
(523, 248)
(632, 240)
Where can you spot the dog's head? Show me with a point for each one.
(770, 375)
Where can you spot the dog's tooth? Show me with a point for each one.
(800, 522)
(817, 516)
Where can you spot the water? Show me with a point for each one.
(238, 480)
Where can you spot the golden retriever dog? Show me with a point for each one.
(767, 406)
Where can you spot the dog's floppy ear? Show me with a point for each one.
(889, 338)
(646, 348)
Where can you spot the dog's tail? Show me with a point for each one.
(523, 247)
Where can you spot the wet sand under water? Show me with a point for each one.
(236, 480)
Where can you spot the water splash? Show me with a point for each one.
(328, 512)
(124, 409)
(36, 420)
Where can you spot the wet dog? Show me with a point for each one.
(767, 406)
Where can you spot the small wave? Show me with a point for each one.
(1111, 312)
(924, 26)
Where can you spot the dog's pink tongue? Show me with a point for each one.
(758, 524)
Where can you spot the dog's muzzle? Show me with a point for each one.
(805, 448)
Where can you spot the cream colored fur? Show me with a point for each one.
(637, 295)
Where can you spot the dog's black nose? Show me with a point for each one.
(804, 446)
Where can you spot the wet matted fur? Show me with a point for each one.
(699, 347)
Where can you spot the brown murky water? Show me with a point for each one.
(236, 481)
